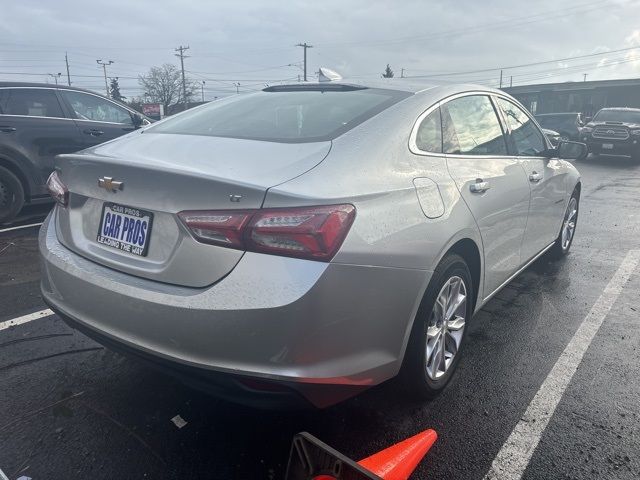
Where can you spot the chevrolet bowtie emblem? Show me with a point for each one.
(109, 184)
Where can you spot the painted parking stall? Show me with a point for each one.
(64, 393)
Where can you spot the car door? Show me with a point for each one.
(546, 179)
(492, 183)
(97, 118)
(34, 128)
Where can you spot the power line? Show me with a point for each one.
(508, 23)
(448, 74)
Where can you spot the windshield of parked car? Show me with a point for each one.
(626, 116)
(294, 115)
(551, 121)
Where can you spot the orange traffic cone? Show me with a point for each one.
(398, 461)
(311, 459)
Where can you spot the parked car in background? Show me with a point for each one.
(568, 125)
(553, 136)
(307, 241)
(40, 121)
(614, 131)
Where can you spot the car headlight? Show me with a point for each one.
(635, 132)
(586, 130)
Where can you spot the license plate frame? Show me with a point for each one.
(121, 244)
(607, 146)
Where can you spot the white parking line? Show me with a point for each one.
(516, 453)
(25, 319)
(21, 226)
(3, 476)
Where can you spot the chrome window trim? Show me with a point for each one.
(77, 91)
(413, 147)
(36, 116)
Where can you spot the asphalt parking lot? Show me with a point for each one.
(71, 409)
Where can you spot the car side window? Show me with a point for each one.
(36, 102)
(91, 107)
(429, 134)
(528, 140)
(471, 127)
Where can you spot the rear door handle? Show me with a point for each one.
(93, 132)
(7, 129)
(480, 186)
(535, 177)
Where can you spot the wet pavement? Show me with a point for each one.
(72, 409)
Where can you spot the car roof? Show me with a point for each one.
(409, 85)
(621, 109)
(47, 85)
(556, 114)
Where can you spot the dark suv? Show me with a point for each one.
(614, 131)
(568, 125)
(39, 121)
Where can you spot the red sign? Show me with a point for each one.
(153, 110)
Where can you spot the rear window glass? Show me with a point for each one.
(35, 102)
(285, 115)
(626, 116)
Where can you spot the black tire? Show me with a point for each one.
(414, 377)
(11, 195)
(561, 248)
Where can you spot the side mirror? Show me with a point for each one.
(570, 150)
(586, 120)
(137, 120)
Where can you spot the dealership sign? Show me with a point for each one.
(153, 110)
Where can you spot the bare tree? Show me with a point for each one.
(164, 85)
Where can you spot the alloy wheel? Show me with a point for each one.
(446, 327)
(569, 224)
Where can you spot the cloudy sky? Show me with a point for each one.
(253, 42)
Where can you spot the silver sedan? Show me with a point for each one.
(308, 241)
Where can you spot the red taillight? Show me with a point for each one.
(314, 233)
(57, 189)
(217, 228)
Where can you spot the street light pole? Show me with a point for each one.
(104, 69)
(55, 76)
(203, 82)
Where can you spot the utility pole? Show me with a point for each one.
(305, 46)
(402, 73)
(500, 78)
(511, 81)
(182, 56)
(203, 82)
(55, 76)
(104, 68)
(66, 60)
(585, 77)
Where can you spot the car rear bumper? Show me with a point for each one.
(324, 331)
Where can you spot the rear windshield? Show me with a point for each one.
(625, 116)
(284, 115)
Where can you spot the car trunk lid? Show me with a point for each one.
(161, 175)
